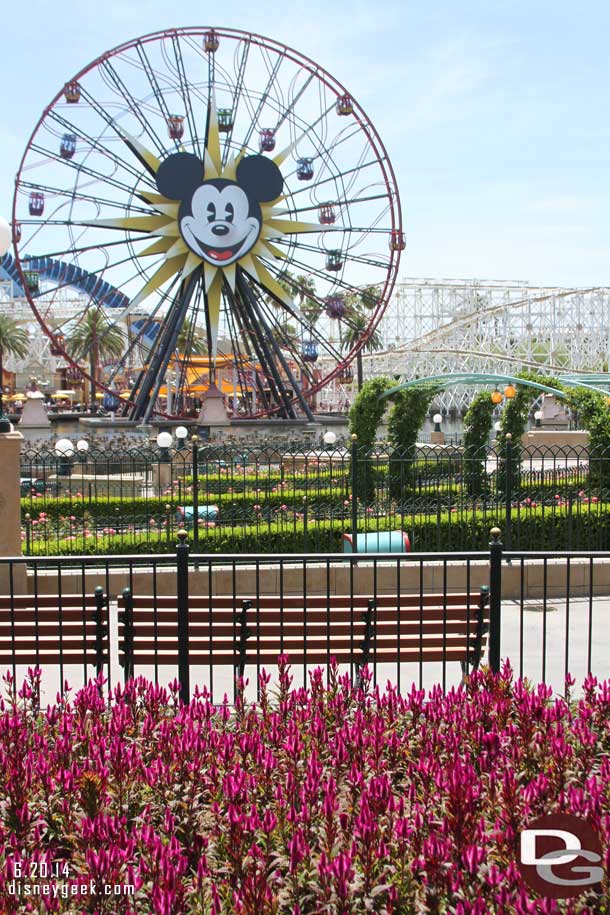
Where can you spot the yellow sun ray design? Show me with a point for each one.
(163, 226)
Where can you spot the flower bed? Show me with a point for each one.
(320, 801)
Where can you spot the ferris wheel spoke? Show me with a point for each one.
(95, 144)
(152, 79)
(267, 338)
(79, 196)
(313, 271)
(350, 171)
(82, 249)
(355, 258)
(70, 282)
(298, 317)
(239, 84)
(288, 111)
(261, 104)
(252, 332)
(340, 204)
(184, 92)
(133, 105)
(84, 169)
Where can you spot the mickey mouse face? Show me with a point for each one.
(219, 220)
(220, 228)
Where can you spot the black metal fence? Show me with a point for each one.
(269, 500)
(209, 619)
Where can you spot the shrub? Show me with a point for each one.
(585, 526)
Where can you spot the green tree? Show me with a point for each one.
(191, 340)
(356, 324)
(95, 337)
(477, 426)
(410, 407)
(13, 342)
(309, 306)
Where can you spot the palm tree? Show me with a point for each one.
(356, 324)
(191, 340)
(13, 342)
(311, 309)
(95, 337)
(286, 335)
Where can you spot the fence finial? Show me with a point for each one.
(496, 533)
(354, 437)
(182, 535)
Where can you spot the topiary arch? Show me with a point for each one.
(409, 409)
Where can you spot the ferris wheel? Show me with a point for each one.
(211, 187)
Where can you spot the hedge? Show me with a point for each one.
(586, 527)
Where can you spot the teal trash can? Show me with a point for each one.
(205, 512)
(379, 542)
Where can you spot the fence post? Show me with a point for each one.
(509, 489)
(101, 630)
(495, 598)
(168, 523)
(28, 534)
(13, 577)
(195, 440)
(354, 494)
(126, 646)
(182, 593)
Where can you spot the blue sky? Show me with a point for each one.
(495, 114)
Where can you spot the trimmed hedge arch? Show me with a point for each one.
(409, 409)
(477, 426)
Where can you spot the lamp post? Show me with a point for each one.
(64, 450)
(329, 438)
(163, 469)
(437, 437)
(164, 443)
(82, 447)
(182, 435)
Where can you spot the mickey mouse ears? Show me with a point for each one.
(260, 178)
(181, 174)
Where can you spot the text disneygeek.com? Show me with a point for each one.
(66, 891)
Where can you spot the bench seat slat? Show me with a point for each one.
(68, 617)
(29, 603)
(48, 631)
(321, 617)
(68, 657)
(291, 645)
(318, 601)
(268, 631)
(390, 656)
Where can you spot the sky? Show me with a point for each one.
(494, 114)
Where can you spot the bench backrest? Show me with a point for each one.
(226, 630)
(54, 629)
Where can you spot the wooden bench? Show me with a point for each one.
(54, 629)
(358, 629)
